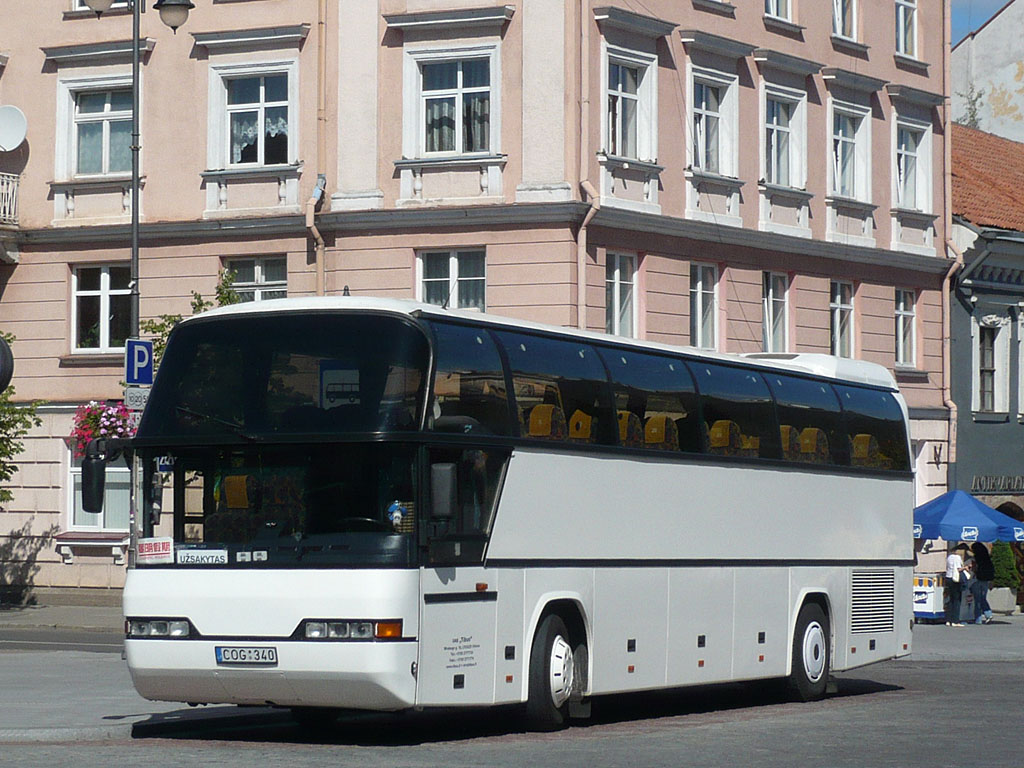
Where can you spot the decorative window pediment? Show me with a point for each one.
(913, 95)
(637, 23)
(84, 54)
(767, 57)
(248, 39)
(855, 81)
(695, 39)
(488, 16)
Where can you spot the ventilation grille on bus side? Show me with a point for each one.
(873, 603)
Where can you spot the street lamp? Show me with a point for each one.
(173, 13)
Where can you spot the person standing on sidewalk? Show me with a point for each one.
(954, 585)
(984, 572)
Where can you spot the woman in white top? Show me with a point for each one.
(954, 585)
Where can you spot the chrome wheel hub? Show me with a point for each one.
(814, 651)
(560, 671)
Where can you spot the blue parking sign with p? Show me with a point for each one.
(138, 362)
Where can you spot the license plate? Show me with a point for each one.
(246, 655)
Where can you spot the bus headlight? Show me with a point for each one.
(176, 628)
(340, 629)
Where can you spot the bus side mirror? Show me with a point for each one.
(94, 471)
(443, 488)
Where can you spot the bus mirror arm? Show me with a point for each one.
(443, 487)
(94, 466)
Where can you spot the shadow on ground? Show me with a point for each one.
(262, 724)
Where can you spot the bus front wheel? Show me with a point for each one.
(811, 654)
(551, 675)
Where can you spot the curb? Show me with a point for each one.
(88, 733)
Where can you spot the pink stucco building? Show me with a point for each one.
(756, 175)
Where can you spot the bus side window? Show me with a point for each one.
(561, 390)
(874, 423)
(810, 420)
(469, 385)
(738, 410)
(655, 400)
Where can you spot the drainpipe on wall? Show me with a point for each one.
(314, 232)
(947, 223)
(321, 146)
(581, 254)
(585, 185)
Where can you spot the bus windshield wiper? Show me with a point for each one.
(235, 427)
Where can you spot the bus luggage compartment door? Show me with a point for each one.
(457, 634)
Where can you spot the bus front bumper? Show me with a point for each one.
(357, 675)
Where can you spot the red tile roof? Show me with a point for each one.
(988, 179)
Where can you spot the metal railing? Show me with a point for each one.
(9, 198)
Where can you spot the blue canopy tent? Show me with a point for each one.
(958, 516)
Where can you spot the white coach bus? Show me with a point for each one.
(356, 503)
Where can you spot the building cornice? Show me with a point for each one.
(565, 213)
(752, 238)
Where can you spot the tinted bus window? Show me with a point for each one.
(874, 422)
(238, 377)
(469, 385)
(561, 389)
(655, 401)
(737, 410)
(810, 420)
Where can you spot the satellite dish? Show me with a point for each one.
(12, 128)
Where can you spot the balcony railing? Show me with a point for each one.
(8, 198)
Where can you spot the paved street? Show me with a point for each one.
(63, 706)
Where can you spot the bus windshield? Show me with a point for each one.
(318, 505)
(246, 378)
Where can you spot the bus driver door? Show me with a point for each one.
(459, 598)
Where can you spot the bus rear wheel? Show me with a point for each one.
(811, 654)
(552, 675)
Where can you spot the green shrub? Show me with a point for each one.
(1005, 565)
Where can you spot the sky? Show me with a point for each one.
(968, 15)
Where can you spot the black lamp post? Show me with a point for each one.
(173, 13)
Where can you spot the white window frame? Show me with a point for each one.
(453, 275)
(779, 9)
(771, 306)
(797, 100)
(259, 285)
(104, 292)
(1000, 326)
(647, 100)
(622, 268)
(728, 119)
(906, 44)
(860, 143)
(218, 146)
(456, 94)
(104, 119)
(413, 115)
(116, 472)
(839, 8)
(66, 144)
(837, 309)
(923, 165)
(700, 297)
(906, 320)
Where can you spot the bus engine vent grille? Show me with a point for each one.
(873, 603)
